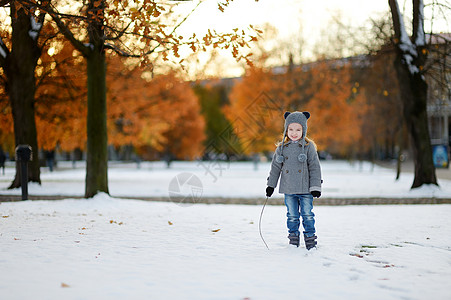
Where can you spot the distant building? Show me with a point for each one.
(439, 94)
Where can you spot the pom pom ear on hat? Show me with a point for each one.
(306, 114)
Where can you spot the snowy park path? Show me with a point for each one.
(236, 182)
(106, 248)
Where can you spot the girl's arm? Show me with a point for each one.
(275, 170)
(314, 169)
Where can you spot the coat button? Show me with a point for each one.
(287, 171)
(286, 157)
(299, 171)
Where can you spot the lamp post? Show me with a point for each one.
(23, 156)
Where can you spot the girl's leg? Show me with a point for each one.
(308, 217)
(292, 204)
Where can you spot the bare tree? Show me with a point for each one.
(409, 64)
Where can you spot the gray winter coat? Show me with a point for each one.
(296, 177)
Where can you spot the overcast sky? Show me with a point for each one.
(286, 15)
(293, 19)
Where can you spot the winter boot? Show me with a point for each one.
(294, 239)
(310, 242)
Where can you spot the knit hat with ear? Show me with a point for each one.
(300, 118)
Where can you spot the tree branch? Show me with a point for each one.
(85, 51)
(396, 16)
(123, 31)
(4, 2)
(418, 23)
(119, 51)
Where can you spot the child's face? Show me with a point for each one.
(294, 131)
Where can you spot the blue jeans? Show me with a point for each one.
(300, 205)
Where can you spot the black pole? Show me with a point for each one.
(23, 156)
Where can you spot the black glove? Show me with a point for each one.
(316, 194)
(269, 191)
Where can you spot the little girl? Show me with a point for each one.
(296, 163)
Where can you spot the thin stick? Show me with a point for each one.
(260, 223)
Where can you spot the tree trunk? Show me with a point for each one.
(414, 97)
(20, 67)
(97, 136)
(411, 55)
(97, 154)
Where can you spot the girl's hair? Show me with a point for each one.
(287, 139)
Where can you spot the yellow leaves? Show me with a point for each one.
(115, 222)
(206, 40)
(223, 5)
(235, 51)
(170, 223)
(215, 230)
(165, 56)
(5, 217)
(97, 4)
(175, 49)
(64, 285)
(259, 31)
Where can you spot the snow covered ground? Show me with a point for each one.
(111, 248)
(106, 248)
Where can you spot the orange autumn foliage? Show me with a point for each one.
(61, 99)
(162, 113)
(336, 109)
(323, 89)
(60, 112)
(253, 112)
(6, 122)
